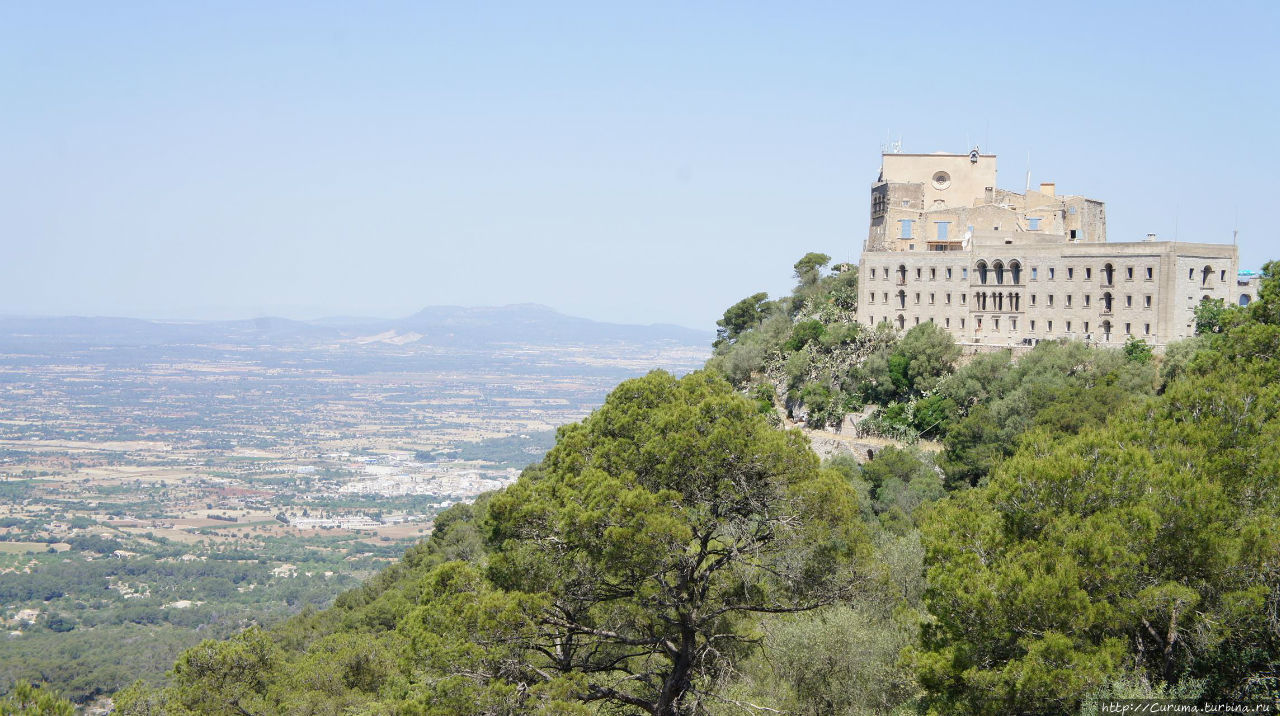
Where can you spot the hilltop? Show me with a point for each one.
(1101, 523)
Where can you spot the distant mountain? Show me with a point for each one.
(532, 323)
(432, 326)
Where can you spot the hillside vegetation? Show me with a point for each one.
(1098, 523)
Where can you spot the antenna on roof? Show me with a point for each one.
(890, 146)
(1235, 232)
(1028, 172)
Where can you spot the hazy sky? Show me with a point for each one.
(650, 163)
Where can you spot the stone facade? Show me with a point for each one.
(1025, 267)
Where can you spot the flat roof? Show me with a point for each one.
(933, 154)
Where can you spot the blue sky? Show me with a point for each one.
(651, 162)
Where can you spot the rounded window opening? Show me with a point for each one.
(941, 180)
(1244, 299)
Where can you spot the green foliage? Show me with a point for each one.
(674, 554)
(659, 526)
(27, 700)
(799, 341)
(804, 333)
(629, 569)
(1146, 541)
(808, 269)
(742, 317)
(1212, 315)
(901, 480)
(1066, 386)
(1137, 350)
(911, 367)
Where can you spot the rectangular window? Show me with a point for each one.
(931, 299)
(1150, 273)
(1127, 331)
(1033, 223)
(886, 296)
(1086, 300)
(1051, 271)
(1191, 273)
(911, 247)
(995, 323)
(1222, 275)
(1086, 326)
(1073, 233)
(1146, 302)
(1128, 273)
(948, 299)
(1050, 327)
(917, 299)
(1071, 273)
(1068, 300)
(1088, 274)
(1033, 299)
(917, 320)
(943, 226)
(962, 323)
(946, 322)
(1068, 326)
(1051, 299)
(918, 274)
(1146, 328)
(872, 297)
(933, 273)
(905, 232)
(964, 272)
(873, 272)
(1033, 274)
(1033, 325)
(1128, 301)
(1013, 323)
(963, 297)
(948, 273)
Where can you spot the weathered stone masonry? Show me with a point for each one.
(997, 268)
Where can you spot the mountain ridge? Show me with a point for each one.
(447, 324)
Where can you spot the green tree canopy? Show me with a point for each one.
(809, 268)
(742, 317)
(1149, 541)
(657, 528)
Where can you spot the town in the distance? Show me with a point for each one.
(165, 482)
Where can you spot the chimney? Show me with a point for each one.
(1048, 188)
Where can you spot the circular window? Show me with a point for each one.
(941, 180)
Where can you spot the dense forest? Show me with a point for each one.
(1049, 529)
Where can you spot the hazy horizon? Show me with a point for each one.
(219, 315)
(632, 165)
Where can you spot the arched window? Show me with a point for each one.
(902, 299)
(1106, 302)
(1244, 299)
(902, 322)
(1206, 274)
(999, 269)
(1015, 268)
(902, 273)
(1108, 275)
(982, 272)
(1106, 330)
